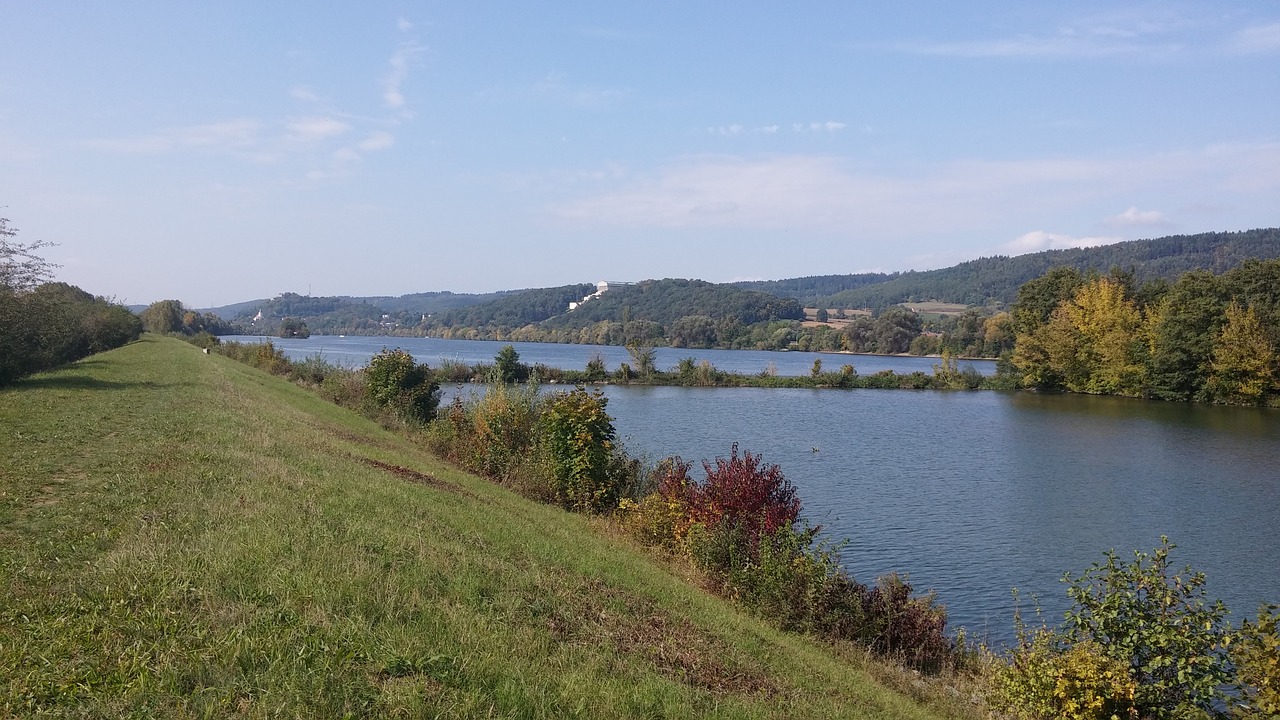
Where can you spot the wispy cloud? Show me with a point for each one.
(831, 195)
(313, 129)
(400, 63)
(1257, 39)
(829, 126)
(380, 140)
(303, 93)
(1133, 217)
(222, 135)
(1117, 33)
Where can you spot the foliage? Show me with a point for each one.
(507, 366)
(293, 328)
(493, 435)
(579, 437)
(163, 316)
(396, 382)
(56, 323)
(745, 495)
(1092, 343)
(1047, 677)
(1157, 624)
(1256, 656)
(1205, 337)
(21, 265)
(1243, 369)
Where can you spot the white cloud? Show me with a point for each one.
(1133, 217)
(380, 140)
(831, 195)
(315, 128)
(1258, 39)
(392, 95)
(403, 25)
(346, 155)
(1067, 45)
(1121, 32)
(1038, 240)
(303, 94)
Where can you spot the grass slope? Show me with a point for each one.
(183, 536)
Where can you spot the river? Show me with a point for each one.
(970, 493)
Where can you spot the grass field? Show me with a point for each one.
(183, 536)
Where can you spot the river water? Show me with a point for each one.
(970, 493)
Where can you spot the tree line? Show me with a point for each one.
(1204, 337)
(45, 324)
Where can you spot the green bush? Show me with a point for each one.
(579, 438)
(507, 367)
(1158, 625)
(1047, 677)
(395, 382)
(1256, 655)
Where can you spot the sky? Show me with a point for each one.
(221, 152)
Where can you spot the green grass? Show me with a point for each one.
(184, 536)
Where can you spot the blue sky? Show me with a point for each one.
(238, 150)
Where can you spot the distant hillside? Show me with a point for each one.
(997, 279)
(432, 303)
(666, 301)
(812, 287)
(516, 310)
(661, 303)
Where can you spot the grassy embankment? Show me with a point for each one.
(182, 536)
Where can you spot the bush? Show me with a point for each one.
(395, 382)
(1047, 677)
(740, 492)
(579, 438)
(1256, 655)
(1155, 623)
(507, 367)
(493, 435)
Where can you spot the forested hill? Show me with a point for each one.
(665, 301)
(813, 287)
(995, 280)
(516, 310)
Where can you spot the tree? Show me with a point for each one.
(1092, 343)
(507, 367)
(164, 316)
(21, 267)
(1181, 328)
(822, 315)
(1243, 368)
(294, 328)
(894, 330)
(1037, 299)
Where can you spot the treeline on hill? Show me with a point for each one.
(46, 324)
(1205, 337)
(1141, 640)
(343, 315)
(995, 280)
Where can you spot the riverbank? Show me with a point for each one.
(188, 536)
